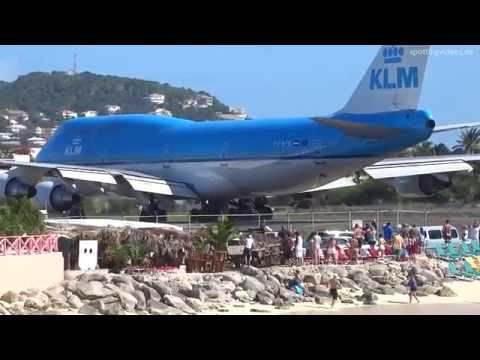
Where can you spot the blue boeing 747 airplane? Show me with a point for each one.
(150, 157)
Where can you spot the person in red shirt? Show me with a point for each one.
(373, 251)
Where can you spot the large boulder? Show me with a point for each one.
(92, 290)
(446, 292)
(242, 296)
(400, 289)
(377, 270)
(228, 286)
(88, 310)
(348, 283)
(113, 309)
(128, 301)
(75, 302)
(234, 277)
(314, 279)
(439, 273)
(126, 288)
(369, 298)
(161, 287)
(195, 304)
(70, 285)
(430, 275)
(149, 293)
(385, 290)
(9, 297)
(272, 287)
(197, 293)
(122, 278)
(38, 302)
(93, 276)
(101, 304)
(340, 271)
(358, 276)
(159, 308)
(320, 290)
(250, 270)
(263, 299)
(286, 294)
(141, 301)
(250, 283)
(182, 286)
(421, 280)
(178, 303)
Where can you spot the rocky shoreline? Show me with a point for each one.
(101, 293)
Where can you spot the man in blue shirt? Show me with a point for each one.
(388, 232)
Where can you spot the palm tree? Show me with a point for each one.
(221, 234)
(469, 140)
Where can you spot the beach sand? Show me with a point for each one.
(466, 303)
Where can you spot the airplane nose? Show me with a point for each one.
(430, 124)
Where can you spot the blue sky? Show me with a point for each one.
(269, 81)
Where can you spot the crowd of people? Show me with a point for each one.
(366, 242)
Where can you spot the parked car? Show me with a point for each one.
(433, 236)
(342, 237)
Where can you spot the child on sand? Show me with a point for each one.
(333, 284)
(412, 288)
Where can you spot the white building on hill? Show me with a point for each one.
(89, 113)
(158, 99)
(68, 114)
(113, 109)
(162, 112)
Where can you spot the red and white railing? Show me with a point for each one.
(28, 244)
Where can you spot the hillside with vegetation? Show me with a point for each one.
(51, 93)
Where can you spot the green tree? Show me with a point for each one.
(220, 234)
(20, 216)
(469, 141)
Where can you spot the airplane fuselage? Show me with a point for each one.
(229, 159)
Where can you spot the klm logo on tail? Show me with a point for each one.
(397, 78)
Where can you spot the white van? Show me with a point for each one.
(433, 236)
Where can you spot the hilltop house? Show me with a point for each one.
(204, 101)
(17, 115)
(89, 113)
(68, 114)
(36, 141)
(162, 112)
(17, 128)
(158, 99)
(113, 109)
(233, 113)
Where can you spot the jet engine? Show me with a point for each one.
(11, 186)
(55, 196)
(421, 186)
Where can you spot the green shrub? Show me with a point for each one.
(20, 216)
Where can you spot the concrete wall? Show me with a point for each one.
(30, 271)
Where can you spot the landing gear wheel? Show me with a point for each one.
(153, 213)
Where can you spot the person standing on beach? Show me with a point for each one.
(318, 253)
(247, 251)
(397, 246)
(388, 233)
(476, 230)
(412, 288)
(299, 248)
(333, 285)
(447, 232)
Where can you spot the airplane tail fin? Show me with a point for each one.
(393, 81)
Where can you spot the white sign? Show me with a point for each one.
(88, 255)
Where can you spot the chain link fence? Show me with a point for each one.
(311, 221)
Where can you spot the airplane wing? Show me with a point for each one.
(400, 167)
(403, 167)
(450, 127)
(33, 172)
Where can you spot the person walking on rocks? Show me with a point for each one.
(333, 285)
(247, 251)
(412, 287)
